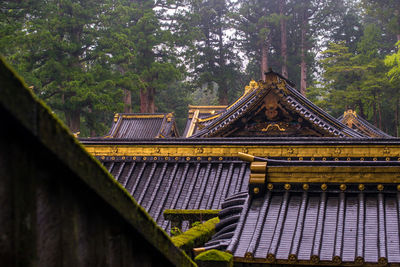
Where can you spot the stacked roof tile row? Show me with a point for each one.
(130, 126)
(314, 227)
(161, 185)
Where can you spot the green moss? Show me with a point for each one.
(38, 119)
(195, 236)
(176, 212)
(214, 255)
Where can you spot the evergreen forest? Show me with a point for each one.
(90, 59)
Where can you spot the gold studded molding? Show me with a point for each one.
(292, 152)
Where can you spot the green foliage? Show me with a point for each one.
(214, 255)
(358, 80)
(195, 236)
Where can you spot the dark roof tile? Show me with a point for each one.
(159, 185)
(311, 227)
(132, 126)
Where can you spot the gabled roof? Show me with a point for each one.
(272, 108)
(360, 125)
(134, 125)
(199, 112)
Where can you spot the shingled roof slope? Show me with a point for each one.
(135, 125)
(311, 228)
(360, 125)
(288, 114)
(178, 183)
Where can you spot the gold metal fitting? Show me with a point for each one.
(258, 167)
(306, 187)
(270, 186)
(166, 158)
(380, 187)
(209, 159)
(220, 158)
(398, 187)
(324, 187)
(198, 158)
(256, 190)
(187, 158)
(361, 187)
(134, 158)
(155, 158)
(248, 255)
(343, 187)
(287, 186)
(144, 158)
(246, 157)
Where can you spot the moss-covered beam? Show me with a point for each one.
(214, 258)
(196, 236)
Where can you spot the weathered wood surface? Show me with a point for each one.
(58, 206)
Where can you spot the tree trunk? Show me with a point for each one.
(282, 4)
(150, 100)
(222, 86)
(303, 64)
(264, 60)
(127, 101)
(73, 119)
(143, 100)
(147, 104)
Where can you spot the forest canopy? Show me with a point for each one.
(89, 59)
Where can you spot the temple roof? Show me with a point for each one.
(313, 212)
(199, 112)
(134, 125)
(271, 108)
(180, 183)
(360, 125)
(311, 228)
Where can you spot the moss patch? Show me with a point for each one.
(195, 236)
(214, 255)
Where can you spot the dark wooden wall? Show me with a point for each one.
(50, 217)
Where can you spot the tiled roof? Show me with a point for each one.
(295, 112)
(177, 183)
(130, 126)
(311, 228)
(360, 125)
